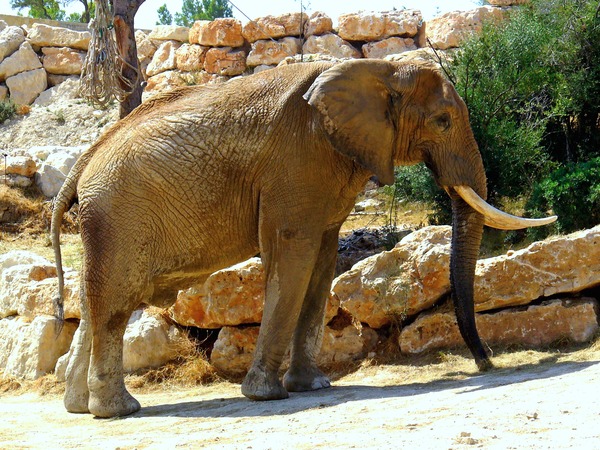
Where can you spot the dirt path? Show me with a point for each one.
(551, 406)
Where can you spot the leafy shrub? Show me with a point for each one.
(8, 110)
(573, 193)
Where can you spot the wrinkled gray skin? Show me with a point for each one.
(201, 178)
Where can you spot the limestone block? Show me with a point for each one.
(62, 161)
(164, 59)
(318, 23)
(67, 89)
(450, 29)
(222, 32)
(11, 39)
(403, 23)
(23, 60)
(225, 61)
(361, 26)
(19, 257)
(389, 46)
(63, 60)
(400, 282)
(538, 325)
(330, 44)
(190, 57)
(234, 349)
(269, 52)
(24, 166)
(43, 152)
(145, 47)
(275, 26)
(170, 33)
(149, 341)
(229, 297)
(557, 265)
(49, 179)
(42, 35)
(29, 289)
(26, 86)
(30, 349)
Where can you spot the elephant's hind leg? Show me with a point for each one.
(303, 373)
(77, 393)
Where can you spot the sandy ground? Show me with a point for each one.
(550, 406)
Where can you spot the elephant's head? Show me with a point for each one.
(383, 114)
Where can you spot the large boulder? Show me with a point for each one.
(451, 29)
(401, 282)
(364, 26)
(573, 320)
(275, 27)
(42, 35)
(318, 23)
(30, 348)
(389, 46)
(190, 57)
(25, 87)
(164, 58)
(222, 32)
(270, 52)
(49, 179)
(330, 44)
(229, 297)
(63, 60)
(170, 33)
(24, 166)
(11, 39)
(23, 60)
(225, 61)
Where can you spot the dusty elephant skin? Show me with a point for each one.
(200, 178)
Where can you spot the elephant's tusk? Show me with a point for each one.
(494, 217)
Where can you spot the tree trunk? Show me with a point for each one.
(125, 11)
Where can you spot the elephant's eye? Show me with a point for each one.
(443, 122)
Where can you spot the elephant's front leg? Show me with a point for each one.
(303, 374)
(288, 256)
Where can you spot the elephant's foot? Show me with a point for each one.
(262, 385)
(119, 403)
(305, 379)
(76, 402)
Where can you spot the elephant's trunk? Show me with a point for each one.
(467, 230)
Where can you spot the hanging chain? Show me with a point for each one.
(101, 77)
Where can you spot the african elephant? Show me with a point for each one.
(203, 177)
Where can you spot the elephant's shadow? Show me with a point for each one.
(337, 395)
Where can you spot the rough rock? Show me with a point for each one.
(170, 33)
(49, 179)
(190, 57)
(19, 165)
(28, 288)
(318, 23)
(149, 341)
(535, 326)
(451, 29)
(63, 60)
(11, 39)
(400, 282)
(274, 26)
(30, 349)
(229, 297)
(26, 86)
(42, 35)
(63, 161)
(330, 44)
(164, 59)
(225, 61)
(557, 265)
(389, 46)
(268, 52)
(222, 32)
(23, 60)
(363, 26)
(145, 47)
(67, 89)
(234, 349)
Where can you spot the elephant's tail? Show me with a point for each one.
(63, 201)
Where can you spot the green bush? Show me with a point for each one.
(8, 110)
(572, 192)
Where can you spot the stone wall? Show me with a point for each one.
(35, 56)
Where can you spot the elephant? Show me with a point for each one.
(202, 177)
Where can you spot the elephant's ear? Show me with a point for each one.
(354, 99)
